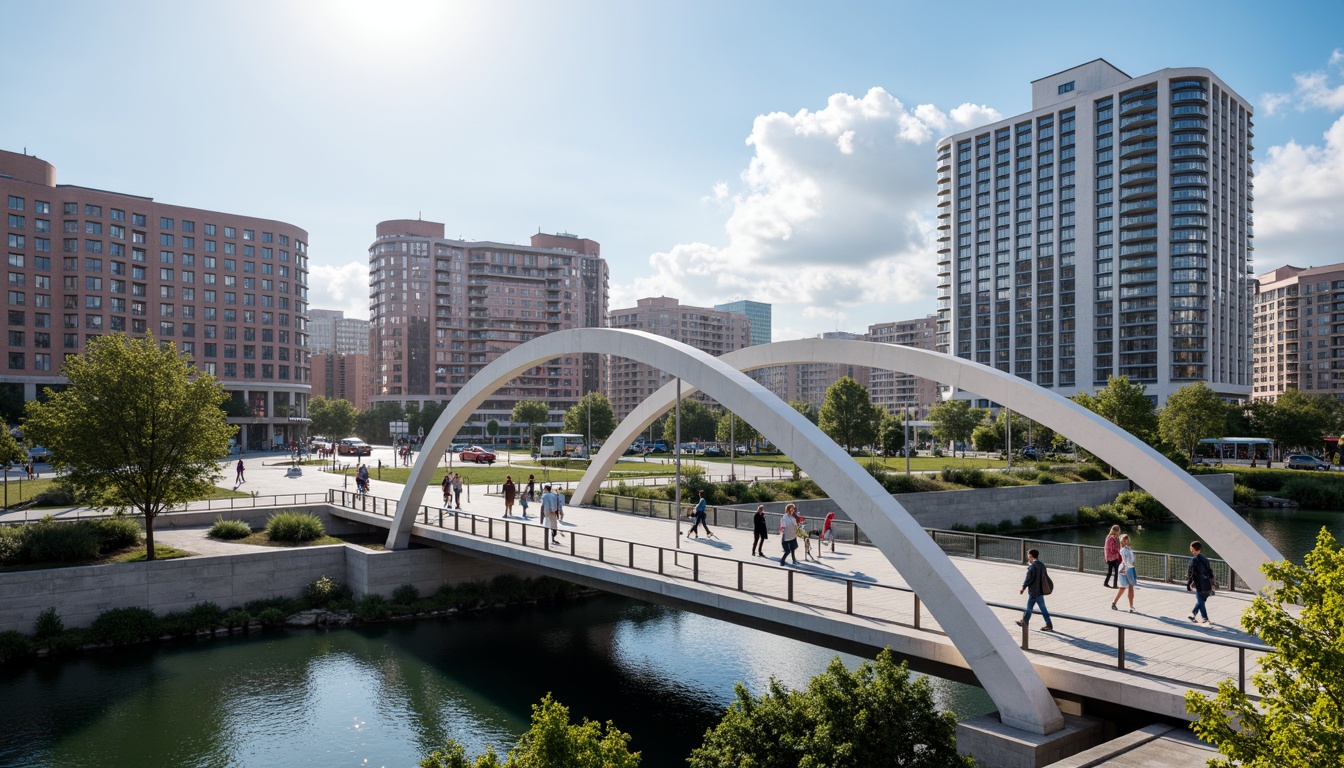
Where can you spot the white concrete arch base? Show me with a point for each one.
(1217, 524)
(1000, 666)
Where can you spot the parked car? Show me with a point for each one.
(1028, 451)
(353, 446)
(714, 451)
(654, 449)
(1303, 461)
(478, 455)
(322, 443)
(39, 455)
(634, 449)
(456, 447)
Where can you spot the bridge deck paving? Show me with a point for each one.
(1161, 607)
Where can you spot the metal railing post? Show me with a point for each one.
(632, 554)
(791, 585)
(849, 596)
(918, 611)
(1120, 649)
(695, 566)
(601, 549)
(740, 566)
(1241, 669)
(660, 559)
(975, 548)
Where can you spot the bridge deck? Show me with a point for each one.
(1171, 655)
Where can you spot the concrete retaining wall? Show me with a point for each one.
(80, 593)
(942, 509)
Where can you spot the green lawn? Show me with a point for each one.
(917, 463)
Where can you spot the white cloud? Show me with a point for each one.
(834, 212)
(343, 286)
(1313, 90)
(1300, 188)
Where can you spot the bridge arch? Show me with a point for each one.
(1217, 524)
(1000, 666)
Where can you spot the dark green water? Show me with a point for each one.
(388, 695)
(1291, 531)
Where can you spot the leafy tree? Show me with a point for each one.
(986, 438)
(138, 427)
(875, 715)
(955, 421)
(531, 413)
(332, 418)
(1192, 413)
(552, 741)
(374, 424)
(698, 422)
(847, 414)
(1301, 682)
(1124, 404)
(1006, 420)
(426, 417)
(732, 427)
(1293, 420)
(492, 429)
(890, 433)
(10, 453)
(805, 407)
(11, 402)
(604, 418)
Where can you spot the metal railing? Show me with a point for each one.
(1083, 558)
(204, 505)
(766, 579)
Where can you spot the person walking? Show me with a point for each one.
(238, 477)
(827, 533)
(457, 490)
(788, 527)
(1037, 585)
(447, 489)
(531, 487)
(758, 531)
(1128, 578)
(700, 518)
(1112, 550)
(550, 513)
(522, 501)
(1199, 577)
(510, 491)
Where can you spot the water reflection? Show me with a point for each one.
(390, 694)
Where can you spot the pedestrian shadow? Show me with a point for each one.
(714, 542)
(1213, 628)
(1080, 643)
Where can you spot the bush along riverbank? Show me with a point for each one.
(1128, 508)
(325, 603)
(1312, 490)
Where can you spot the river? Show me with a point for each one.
(386, 695)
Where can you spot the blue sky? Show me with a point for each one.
(777, 151)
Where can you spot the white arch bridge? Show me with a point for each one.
(998, 663)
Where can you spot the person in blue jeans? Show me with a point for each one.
(700, 518)
(1199, 577)
(1033, 585)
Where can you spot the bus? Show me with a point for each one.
(561, 444)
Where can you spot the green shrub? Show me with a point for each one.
(1006, 526)
(508, 588)
(406, 594)
(205, 615)
(230, 529)
(285, 605)
(295, 527)
(1029, 522)
(50, 541)
(1141, 505)
(69, 640)
(986, 528)
(1045, 478)
(121, 626)
(11, 545)
(1092, 473)
(55, 496)
(962, 527)
(176, 623)
(1063, 519)
(971, 477)
(1001, 480)
(1088, 516)
(48, 624)
(1314, 493)
(14, 645)
(237, 618)
(373, 607)
(325, 591)
(271, 617)
(118, 532)
(1244, 494)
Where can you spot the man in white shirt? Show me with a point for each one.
(550, 512)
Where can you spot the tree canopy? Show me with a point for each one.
(1192, 413)
(531, 413)
(875, 715)
(551, 741)
(732, 427)
(1294, 420)
(1124, 404)
(847, 414)
(955, 421)
(374, 424)
(890, 433)
(698, 422)
(1301, 682)
(805, 407)
(137, 427)
(604, 418)
(332, 418)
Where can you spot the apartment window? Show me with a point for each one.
(15, 203)
(137, 219)
(116, 214)
(188, 226)
(230, 232)
(93, 210)
(165, 222)
(249, 234)
(16, 361)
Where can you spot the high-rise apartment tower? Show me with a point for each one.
(1106, 232)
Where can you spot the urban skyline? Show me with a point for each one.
(825, 212)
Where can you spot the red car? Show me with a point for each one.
(478, 455)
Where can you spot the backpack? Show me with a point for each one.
(1047, 584)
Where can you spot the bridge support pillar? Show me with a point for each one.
(995, 745)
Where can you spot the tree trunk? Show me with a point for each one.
(149, 537)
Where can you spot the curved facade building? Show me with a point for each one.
(230, 291)
(1105, 233)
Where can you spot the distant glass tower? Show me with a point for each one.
(1106, 232)
(755, 311)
